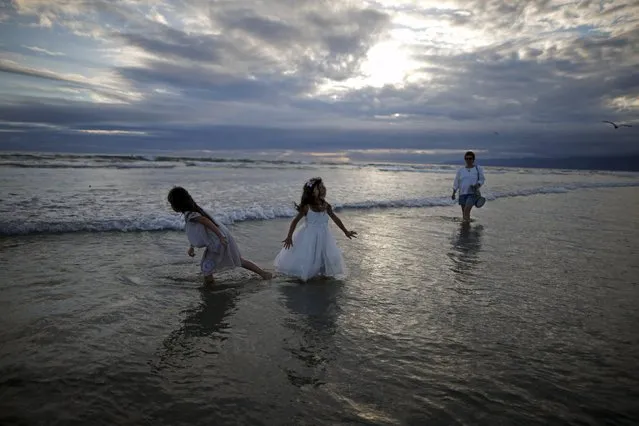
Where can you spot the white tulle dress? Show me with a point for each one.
(314, 252)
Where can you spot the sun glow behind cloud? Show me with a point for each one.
(387, 63)
(400, 57)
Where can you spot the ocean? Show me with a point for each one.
(526, 316)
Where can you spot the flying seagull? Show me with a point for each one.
(615, 125)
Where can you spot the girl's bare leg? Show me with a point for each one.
(247, 264)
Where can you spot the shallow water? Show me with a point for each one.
(527, 316)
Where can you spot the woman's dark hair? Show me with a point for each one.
(469, 154)
(308, 197)
(181, 201)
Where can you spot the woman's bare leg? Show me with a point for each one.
(467, 209)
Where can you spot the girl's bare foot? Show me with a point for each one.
(209, 281)
(266, 275)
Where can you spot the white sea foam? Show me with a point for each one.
(164, 221)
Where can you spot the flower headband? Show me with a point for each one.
(311, 182)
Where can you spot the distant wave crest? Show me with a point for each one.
(94, 161)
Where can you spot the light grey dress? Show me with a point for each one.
(217, 256)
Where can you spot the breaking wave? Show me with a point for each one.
(162, 222)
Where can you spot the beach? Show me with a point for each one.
(526, 316)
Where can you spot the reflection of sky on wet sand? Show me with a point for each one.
(314, 309)
(204, 327)
(464, 253)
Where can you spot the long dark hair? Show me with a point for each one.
(308, 197)
(181, 201)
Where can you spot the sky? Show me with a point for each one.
(505, 78)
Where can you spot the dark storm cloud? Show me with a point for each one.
(68, 113)
(177, 44)
(267, 29)
(199, 81)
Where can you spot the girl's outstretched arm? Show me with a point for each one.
(338, 222)
(288, 241)
(213, 227)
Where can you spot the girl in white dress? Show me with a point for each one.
(311, 251)
(203, 231)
